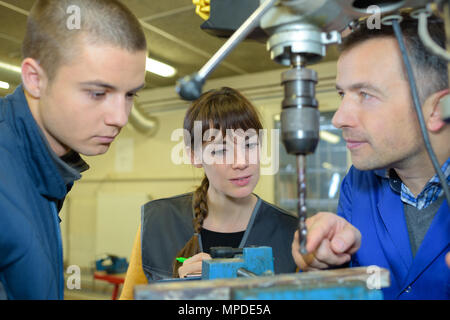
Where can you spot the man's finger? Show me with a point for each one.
(347, 240)
(325, 255)
(319, 229)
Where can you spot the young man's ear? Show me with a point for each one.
(433, 116)
(196, 162)
(34, 78)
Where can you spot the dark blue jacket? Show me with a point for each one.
(32, 187)
(368, 202)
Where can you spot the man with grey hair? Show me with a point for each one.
(77, 92)
(392, 210)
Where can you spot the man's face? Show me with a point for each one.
(376, 113)
(89, 100)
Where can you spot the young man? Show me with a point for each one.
(77, 91)
(392, 211)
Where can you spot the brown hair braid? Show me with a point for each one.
(200, 208)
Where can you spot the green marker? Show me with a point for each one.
(181, 259)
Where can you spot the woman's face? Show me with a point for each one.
(231, 164)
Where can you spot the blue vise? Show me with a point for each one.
(228, 262)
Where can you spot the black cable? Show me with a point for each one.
(418, 107)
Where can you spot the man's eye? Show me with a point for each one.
(365, 95)
(97, 94)
(132, 95)
(340, 94)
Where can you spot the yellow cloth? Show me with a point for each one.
(202, 8)
(135, 273)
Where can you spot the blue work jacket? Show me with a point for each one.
(31, 191)
(368, 202)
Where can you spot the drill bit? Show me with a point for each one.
(301, 204)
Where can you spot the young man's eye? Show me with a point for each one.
(132, 95)
(96, 95)
(341, 94)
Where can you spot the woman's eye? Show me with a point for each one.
(251, 145)
(218, 152)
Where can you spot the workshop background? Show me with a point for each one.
(102, 212)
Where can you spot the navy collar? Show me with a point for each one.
(51, 175)
(431, 192)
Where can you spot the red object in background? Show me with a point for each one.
(115, 279)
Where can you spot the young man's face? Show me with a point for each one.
(89, 100)
(376, 113)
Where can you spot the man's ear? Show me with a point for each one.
(433, 111)
(195, 161)
(34, 78)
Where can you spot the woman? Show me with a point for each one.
(223, 210)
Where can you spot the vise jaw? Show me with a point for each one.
(252, 261)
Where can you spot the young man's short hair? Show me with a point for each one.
(51, 41)
(430, 71)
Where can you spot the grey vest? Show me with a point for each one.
(167, 226)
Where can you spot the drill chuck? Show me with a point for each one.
(300, 116)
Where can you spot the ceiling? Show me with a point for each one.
(174, 37)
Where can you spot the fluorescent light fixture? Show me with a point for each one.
(159, 68)
(10, 67)
(329, 137)
(4, 85)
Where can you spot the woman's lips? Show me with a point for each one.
(241, 181)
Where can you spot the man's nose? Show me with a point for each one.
(344, 115)
(118, 113)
